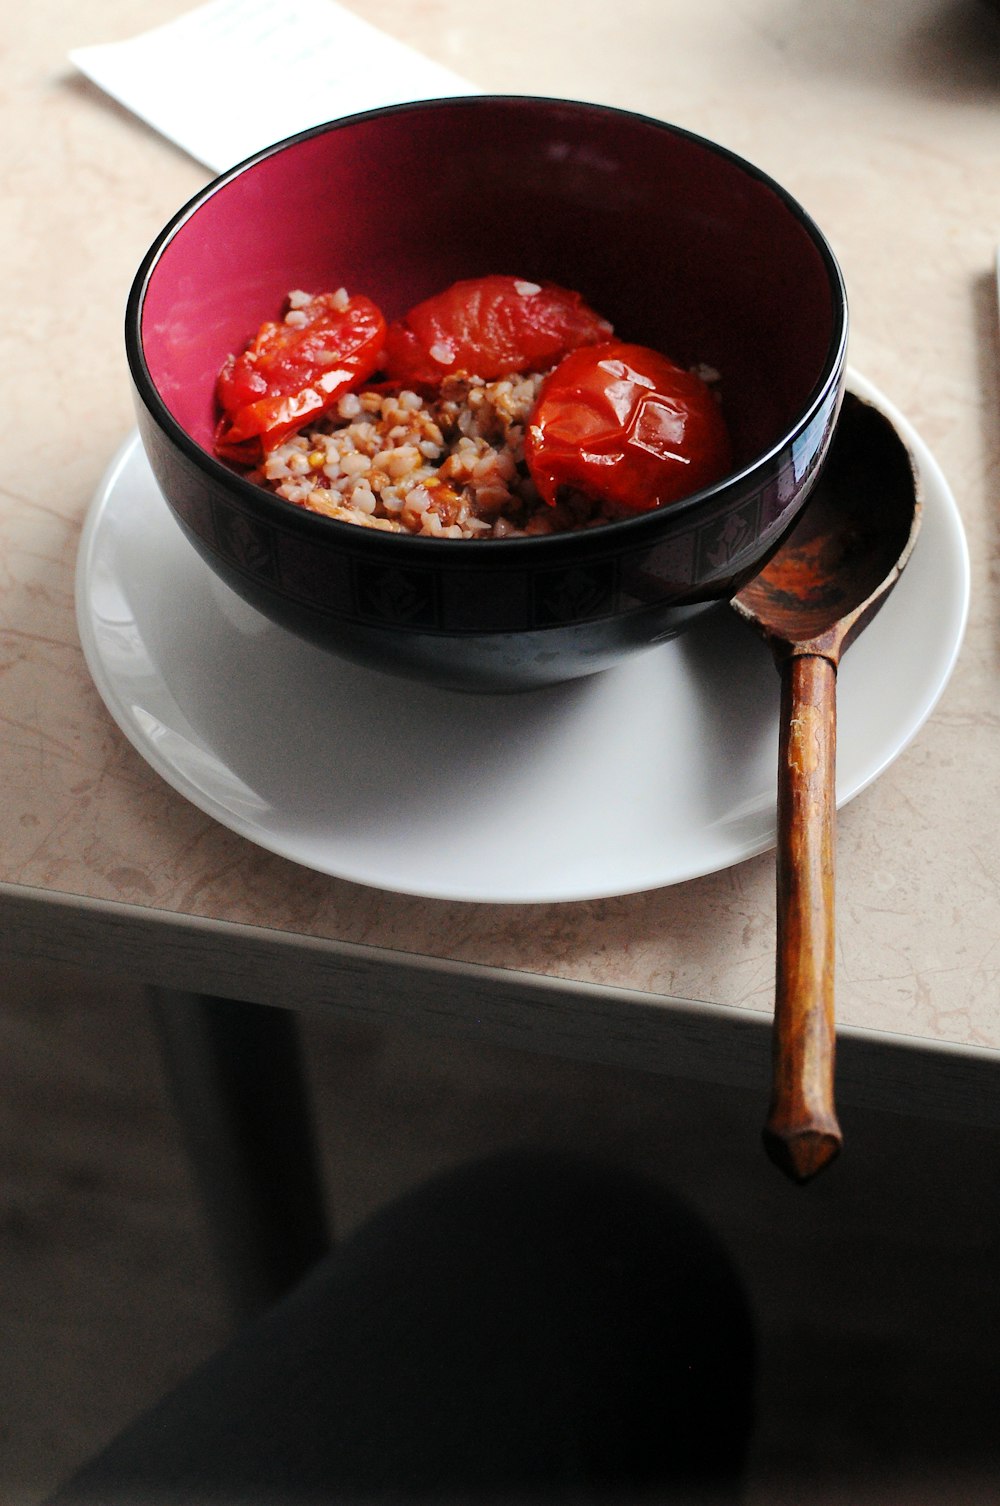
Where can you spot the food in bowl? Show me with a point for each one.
(498, 408)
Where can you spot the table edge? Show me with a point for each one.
(600, 1024)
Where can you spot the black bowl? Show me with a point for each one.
(681, 244)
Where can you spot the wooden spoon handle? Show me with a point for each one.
(802, 1133)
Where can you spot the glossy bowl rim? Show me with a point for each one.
(259, 499)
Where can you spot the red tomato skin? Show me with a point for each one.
(291, 373)
(488, 327)
(626, 426)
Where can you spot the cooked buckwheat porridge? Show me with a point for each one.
(451, 466)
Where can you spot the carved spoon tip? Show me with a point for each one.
(801, 1154)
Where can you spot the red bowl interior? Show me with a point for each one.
(681, 245)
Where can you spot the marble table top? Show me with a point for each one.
(885, 123)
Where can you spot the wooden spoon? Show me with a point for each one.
(817, 593)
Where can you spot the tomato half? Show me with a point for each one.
(295, 369)
(487, 327)
(626, 426)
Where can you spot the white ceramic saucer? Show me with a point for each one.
(650, 774)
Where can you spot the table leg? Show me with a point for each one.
(236, 1076)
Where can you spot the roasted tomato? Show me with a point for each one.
(488, 326)
(296, 368)
(626, 426)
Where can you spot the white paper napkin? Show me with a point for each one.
(233, 76)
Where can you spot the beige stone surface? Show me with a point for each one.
(884, 122)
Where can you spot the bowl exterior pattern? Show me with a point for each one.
(325, 583)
